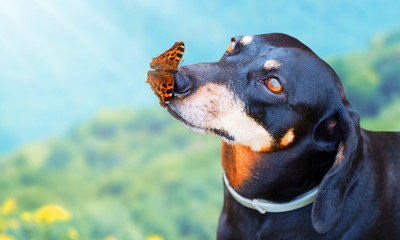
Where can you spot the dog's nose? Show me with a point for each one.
(183, 85)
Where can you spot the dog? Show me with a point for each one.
(296, 163)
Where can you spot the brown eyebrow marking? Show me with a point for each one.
(271, 65)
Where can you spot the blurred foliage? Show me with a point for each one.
(387, 120)
(126, 175)
(141, 175)
(371, 78)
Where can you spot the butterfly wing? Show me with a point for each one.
(170, 59)
(162, 84)
(161, 80)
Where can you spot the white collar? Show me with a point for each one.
(264, 206)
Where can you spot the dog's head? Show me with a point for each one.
(270, 92)
(265, 92)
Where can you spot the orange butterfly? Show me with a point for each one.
(161, 80)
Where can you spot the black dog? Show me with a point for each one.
(288, 128)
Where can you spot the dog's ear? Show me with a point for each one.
(335, 186)
(326, 134)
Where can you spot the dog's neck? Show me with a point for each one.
(276, 176)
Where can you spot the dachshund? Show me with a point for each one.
(297, 164)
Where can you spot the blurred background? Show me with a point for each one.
(86, 152)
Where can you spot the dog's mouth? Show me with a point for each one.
(220, 133)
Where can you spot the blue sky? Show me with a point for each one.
(61, 62)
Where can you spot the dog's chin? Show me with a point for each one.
(220, 133)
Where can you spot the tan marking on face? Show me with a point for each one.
(271, 65)
(238, 162)
(267, 148)
(287, 139)
(214, 106)
(246, 40)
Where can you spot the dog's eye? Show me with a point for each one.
(231, 46)
(273, 85)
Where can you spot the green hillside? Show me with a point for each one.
(125, 174)
(372, 81)
(372, 78)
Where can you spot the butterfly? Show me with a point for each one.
(161, 80)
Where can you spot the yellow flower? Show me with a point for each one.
(110, 238)
(51, 213)
(26, 216)
(72, 234)
(6, 237)
(3, 225)
(13, 224)
(9, 205)
(154, 237)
